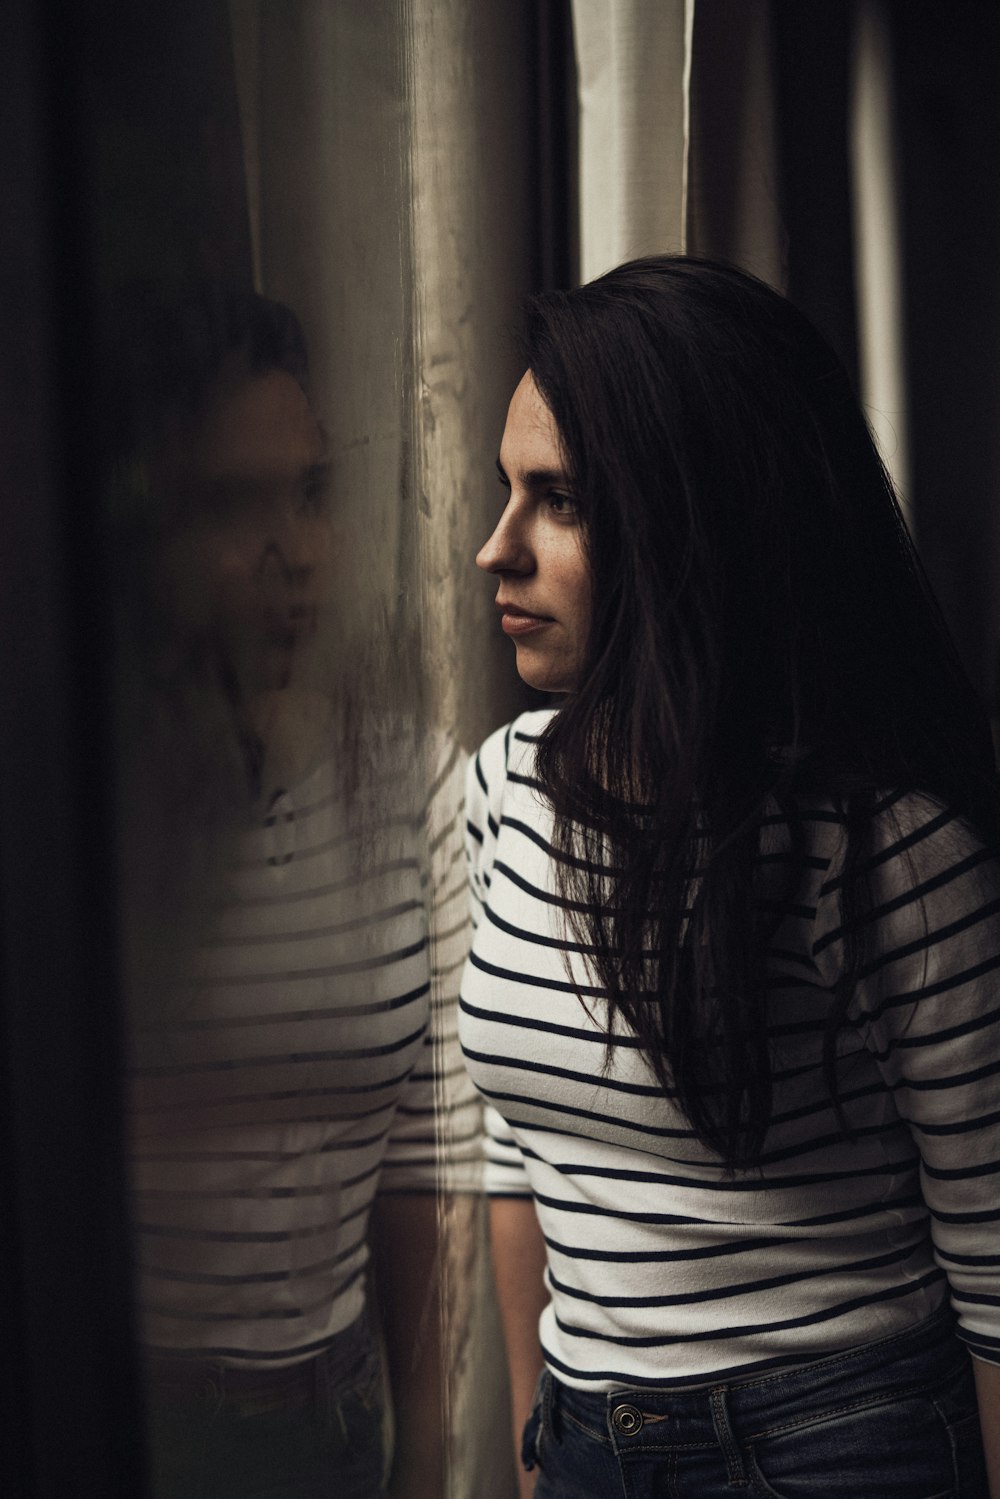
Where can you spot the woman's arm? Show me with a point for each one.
(988, 1395)
(519, 1270)
(928, 1009)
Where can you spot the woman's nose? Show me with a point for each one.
(508, 550)
(282, 567)
(294, 544)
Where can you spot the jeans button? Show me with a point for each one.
(627, 1420)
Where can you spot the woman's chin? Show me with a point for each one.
(544, 676)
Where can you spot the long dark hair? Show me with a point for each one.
(760, 629)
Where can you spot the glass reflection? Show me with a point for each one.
(286, 870)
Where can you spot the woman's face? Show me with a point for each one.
(244, 568)
(537, 549)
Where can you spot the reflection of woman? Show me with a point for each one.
(283, 1080)
(732, 993)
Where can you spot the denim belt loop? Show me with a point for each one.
(735, 1471)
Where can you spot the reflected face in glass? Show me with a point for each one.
(537, 549)
(245, 487)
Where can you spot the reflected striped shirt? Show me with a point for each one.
(664, 1268)
(306, 1057)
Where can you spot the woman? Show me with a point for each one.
(732, 993)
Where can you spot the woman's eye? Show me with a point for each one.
(314, 497)
(314, 491)
(562, 504)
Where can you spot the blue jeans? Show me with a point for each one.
(216, 1433)
(895, 1419)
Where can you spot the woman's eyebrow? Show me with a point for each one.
(536, 477)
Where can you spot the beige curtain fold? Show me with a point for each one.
(877, 250)
(634, 74)
(471, 234)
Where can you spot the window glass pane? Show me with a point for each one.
(302, 274)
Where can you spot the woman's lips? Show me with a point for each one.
(286, 627)
(515, 621)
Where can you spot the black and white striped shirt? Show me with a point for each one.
(306, 1058)
(662, 1267)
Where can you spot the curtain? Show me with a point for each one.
(634, 67)
(734, 190)
(877, 248)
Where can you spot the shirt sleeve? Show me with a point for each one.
(928, 1009)
(504, 1174)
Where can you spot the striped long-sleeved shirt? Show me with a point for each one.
(305, 1058)
(663, 1267)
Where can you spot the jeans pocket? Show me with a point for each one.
(955, 1402)
(968, 1458)
(891, 1449)
(352, 1409)
(532, 1437)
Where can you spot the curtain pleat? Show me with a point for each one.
(634, 73)
(877, 249)
(734, 189)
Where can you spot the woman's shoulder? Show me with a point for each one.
(938, 845)
(888, 814)
(510, 750)
(910, 819)
(906, 844)
(882, 828)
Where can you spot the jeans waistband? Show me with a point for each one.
(766, 1402)
(183, 1376)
